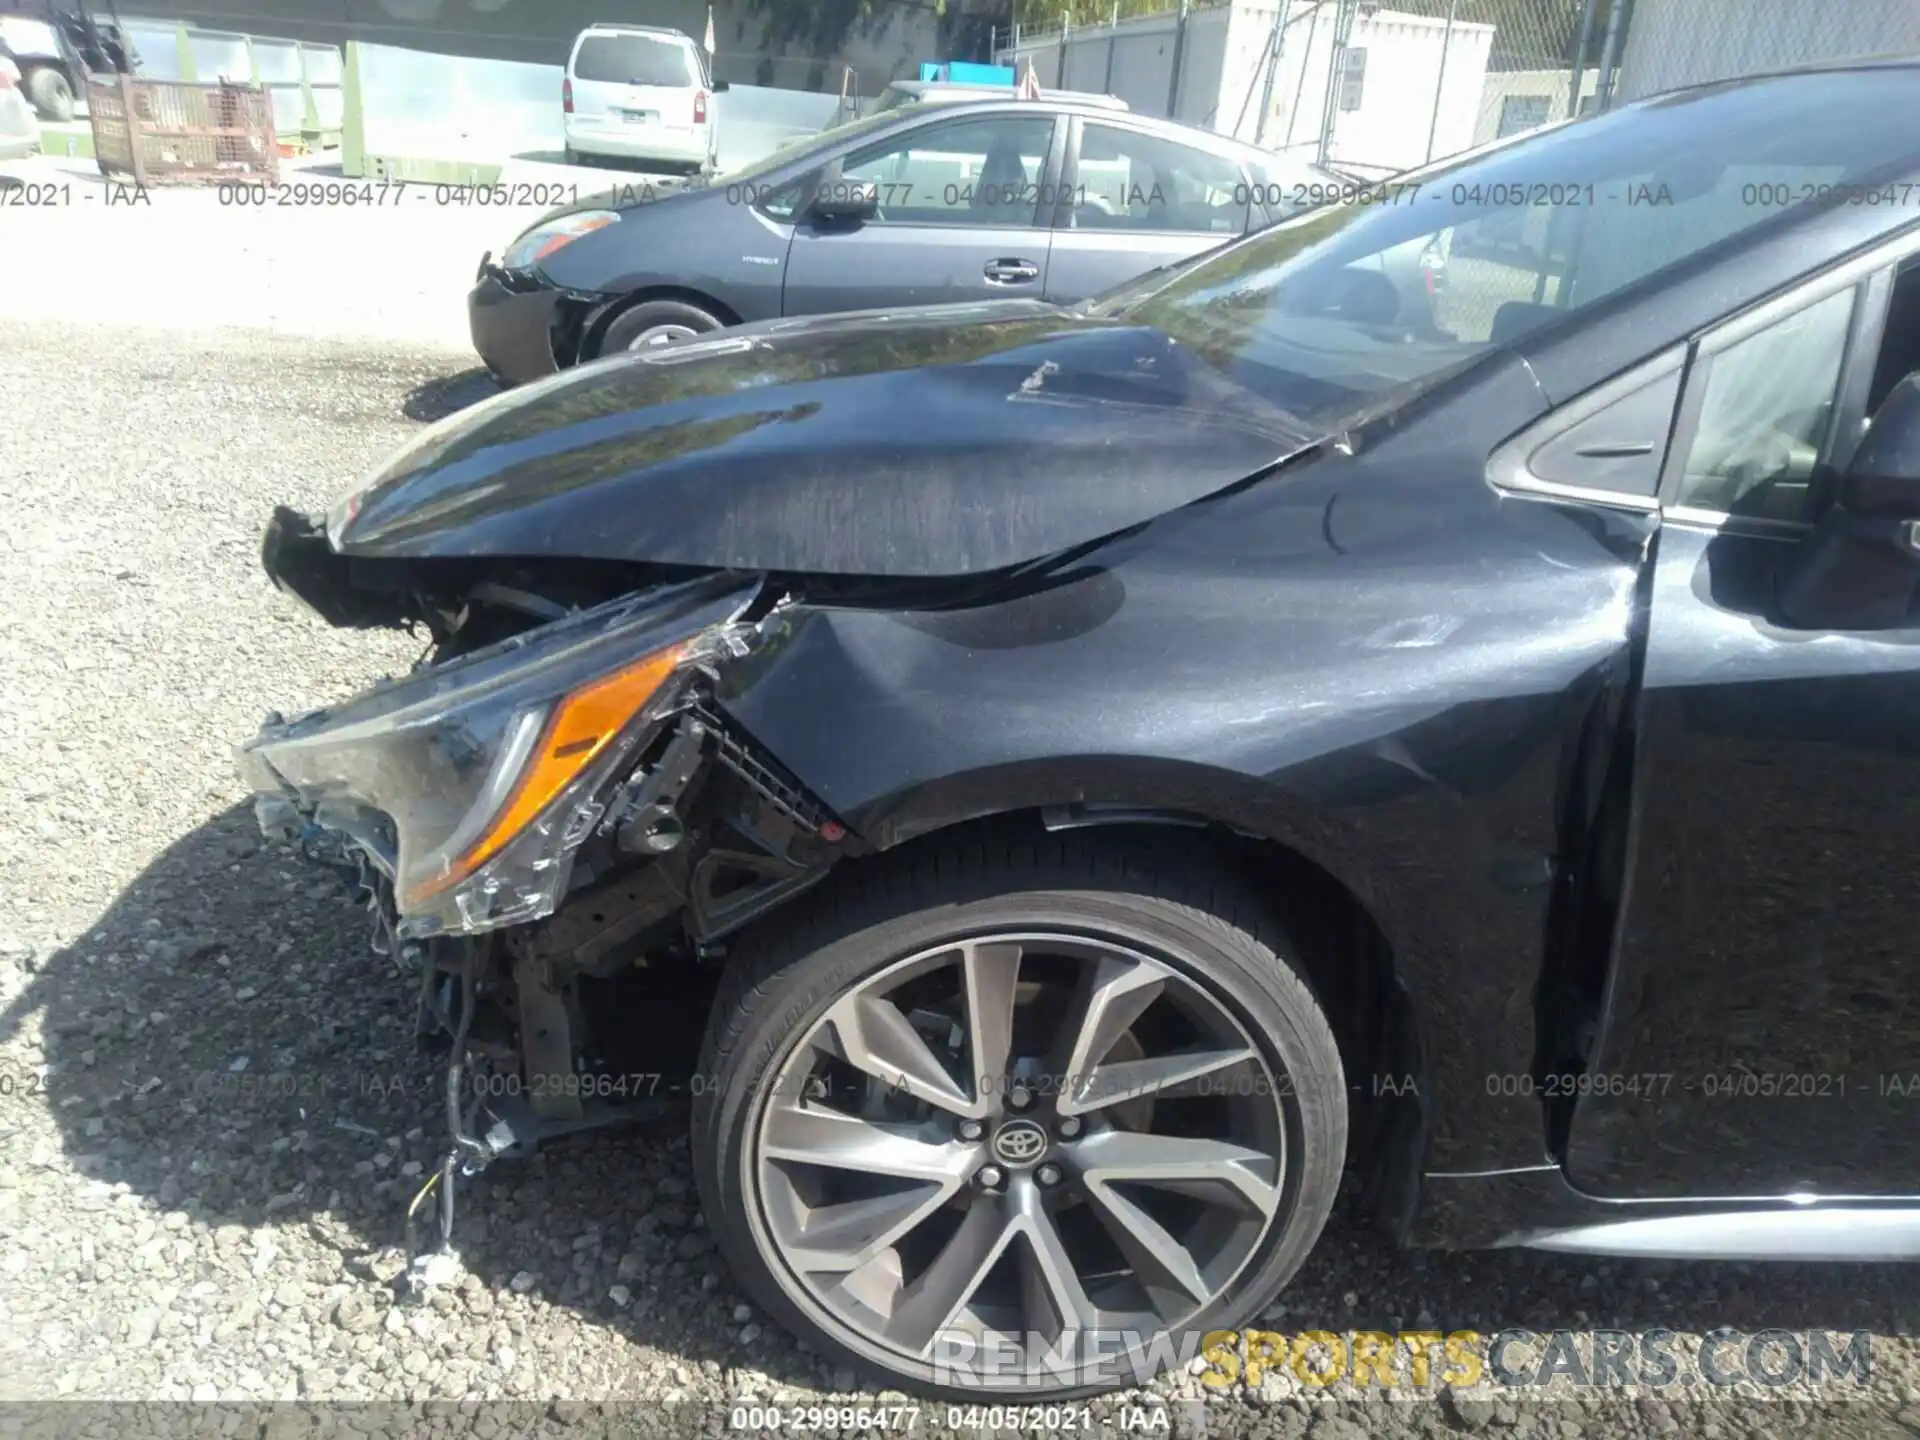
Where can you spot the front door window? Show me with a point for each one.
(1767, 413)
(979, 172)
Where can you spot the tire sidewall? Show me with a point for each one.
(50, 92)
(623, 328)
(1229, 964)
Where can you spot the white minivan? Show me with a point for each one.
(639, 93)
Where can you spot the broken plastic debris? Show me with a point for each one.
(442, 1267)
(355, 1129)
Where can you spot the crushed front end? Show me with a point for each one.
(548, 820)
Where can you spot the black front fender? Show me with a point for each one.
(1276, 664)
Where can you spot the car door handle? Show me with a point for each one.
(1012, 272)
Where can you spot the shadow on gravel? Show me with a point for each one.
(448, 394)
(223, 1043)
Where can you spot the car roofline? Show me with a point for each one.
(601, 27)
(906, 117)
(1057, 103)
(1851, 64)
(1097, 98)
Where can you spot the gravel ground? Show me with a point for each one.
(211, 1113)
(76, 248)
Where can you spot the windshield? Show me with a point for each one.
(1327, 312)
(802, 145)
(633, 60)
(896, 97)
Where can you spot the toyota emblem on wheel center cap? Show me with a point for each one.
(1019, 1142)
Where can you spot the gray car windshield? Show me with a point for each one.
(805, 145)
(1330, 311)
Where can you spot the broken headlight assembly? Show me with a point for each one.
(470, 784)
(534, 245)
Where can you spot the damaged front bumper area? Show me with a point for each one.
(524, 327)
(512, 318)
(469, 789)
(537, 823)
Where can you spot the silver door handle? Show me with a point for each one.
(1012, 272)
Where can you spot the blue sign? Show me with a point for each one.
(965, 72)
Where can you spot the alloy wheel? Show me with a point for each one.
(1017, 1141)
(656, 335)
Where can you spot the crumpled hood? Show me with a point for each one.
(946, 440)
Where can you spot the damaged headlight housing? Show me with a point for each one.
(550, 235)
(471, 784)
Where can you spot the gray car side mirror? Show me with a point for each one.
(844, 201)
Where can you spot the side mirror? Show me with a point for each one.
(1883, 477)
(1859, 568)
(720, 87)
(844, 201)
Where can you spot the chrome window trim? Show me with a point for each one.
(1530, 488)
(1816, 1231)
(1694, 517)
(1809, 291)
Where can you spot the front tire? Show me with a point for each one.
(968, 1107)
(656, 322)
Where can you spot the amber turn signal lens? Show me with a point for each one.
(581, 726)
(568, 236)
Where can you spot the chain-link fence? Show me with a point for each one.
(1148, 55)
(1668, 43)
(1374, 88)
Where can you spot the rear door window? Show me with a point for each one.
(633, 60)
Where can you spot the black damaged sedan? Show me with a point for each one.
(1101, 774)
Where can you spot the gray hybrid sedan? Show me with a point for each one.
(1055, 199)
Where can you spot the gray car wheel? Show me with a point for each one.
(985, 1122)
(655, 322)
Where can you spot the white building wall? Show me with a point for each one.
(1243, 69)
(1398, 124)
(1201, 68)
(1300, 81)
(1551, 86)
(1223, 77)
(1688, 42)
